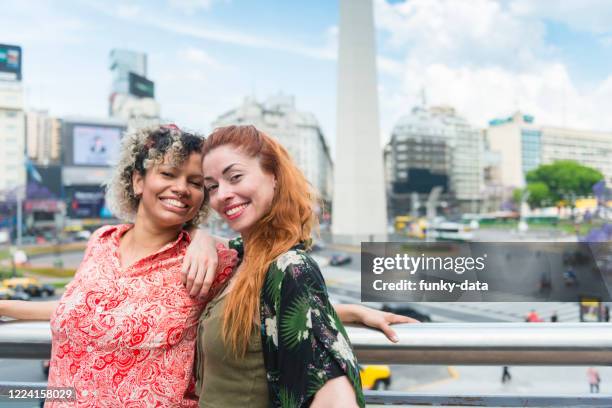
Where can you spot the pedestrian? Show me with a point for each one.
(506, 375)
(594, 380)
(533, 317)
(606, 313)
(554, 318)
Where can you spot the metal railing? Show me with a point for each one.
(554, 344)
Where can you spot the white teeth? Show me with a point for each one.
(174, 203)
(234, 210)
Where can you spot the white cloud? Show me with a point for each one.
(199, 57)
(128, 10)
(51, 25)
(191, 6)
(584, 15)
(473, 32)
(484, 59)
(241, 39)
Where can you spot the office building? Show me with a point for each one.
(299, 132)
(523, 146)
(43, 137)
(435, 147)
(132, 96)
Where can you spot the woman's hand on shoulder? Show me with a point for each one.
(376, 319)
(200, 264)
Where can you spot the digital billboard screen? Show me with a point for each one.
(95, 145)
(10, 61)
(141, 86)
(85, 201)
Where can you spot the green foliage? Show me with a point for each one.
(293, 322)
(287, 399)
(561, 180)
(273, 283)
(539, 195)
(517, 195)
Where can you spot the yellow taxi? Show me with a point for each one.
(375, 377)
(30, 285)
(11, 294)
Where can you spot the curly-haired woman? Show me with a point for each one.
(123, 333)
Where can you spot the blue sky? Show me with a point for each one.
(486, 58)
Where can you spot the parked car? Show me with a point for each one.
(13, 294)
(340, 259)
(31, 286)
(82, 235)
(406, 309)
(375, 377)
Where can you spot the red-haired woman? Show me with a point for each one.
(272, 331)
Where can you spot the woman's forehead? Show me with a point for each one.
(176, 159)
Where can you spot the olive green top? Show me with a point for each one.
(223, 380)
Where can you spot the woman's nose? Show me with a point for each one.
(181, 187)
(224, 191)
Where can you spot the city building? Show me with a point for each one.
(523, 146)
(435, 147)
(43, 137)
(90, 149)
(12, 127)
(590, 148)
(518, 140)
(132, 94)
(299, 132)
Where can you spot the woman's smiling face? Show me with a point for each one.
(239, 190)
(171, 195)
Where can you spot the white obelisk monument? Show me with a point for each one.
(359, 211)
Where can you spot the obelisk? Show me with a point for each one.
(359, 209)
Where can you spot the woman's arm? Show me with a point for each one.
(200, 262)
(336, 393)
(19, 309)
(372, 318)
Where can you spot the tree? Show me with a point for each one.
(564, 179)
(539, 195)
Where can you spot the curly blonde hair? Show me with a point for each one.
(141, 150)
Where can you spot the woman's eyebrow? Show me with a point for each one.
(225, 170)
(228, 168)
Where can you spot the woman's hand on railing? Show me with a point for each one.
(23, 310)
(373, 318)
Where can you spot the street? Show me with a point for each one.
(344, 287)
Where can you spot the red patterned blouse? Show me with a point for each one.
(126, 337)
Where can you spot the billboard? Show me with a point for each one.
(85, 201)
(95, 145)
(10, 62)
(420, 181)
(44, 182)
(141, 86)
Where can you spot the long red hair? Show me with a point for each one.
(290, 220)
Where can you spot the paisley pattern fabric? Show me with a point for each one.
(125, 337)
(304, 341)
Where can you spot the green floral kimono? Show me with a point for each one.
(304, 342)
